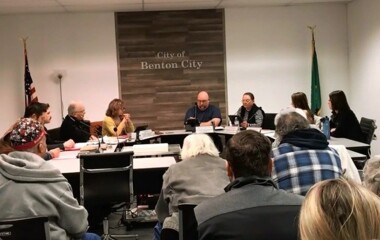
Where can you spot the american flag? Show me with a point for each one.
(30, 91)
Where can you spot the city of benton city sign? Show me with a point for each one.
(171, 60)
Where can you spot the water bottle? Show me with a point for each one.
(326, 127)
(236, 122)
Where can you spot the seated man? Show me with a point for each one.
(207, 115)
(204, 112)
(73, 126)
(41, 112)
(252, 207)
(303, 156)
(30, 186)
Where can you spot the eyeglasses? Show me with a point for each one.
(202, 101)
(246, 100)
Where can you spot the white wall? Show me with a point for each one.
(269, 53)
(80, 46)
(364, 61)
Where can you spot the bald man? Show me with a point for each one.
(204, 111)
(73, 126)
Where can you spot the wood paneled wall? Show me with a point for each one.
(165, 58)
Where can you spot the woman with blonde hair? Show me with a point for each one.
(201, 173)
(117, 122)
(341, 210)
(371, 174)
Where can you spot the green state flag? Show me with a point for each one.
(315, 88)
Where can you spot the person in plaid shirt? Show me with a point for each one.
(303, 157)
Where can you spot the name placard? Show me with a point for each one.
(204, 129)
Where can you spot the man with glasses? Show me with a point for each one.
(204, 112)
(250, 113)
(73, 126)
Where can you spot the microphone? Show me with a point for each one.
(117, 138)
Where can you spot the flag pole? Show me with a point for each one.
(25, 54)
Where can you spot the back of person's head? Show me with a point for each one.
(341, 210)
(290, 121)
(114, 106)
(35, 110)
(299, 100)
(338, 101)
(5, 147)
(28, 135)
(371, 174)
(248, 153)
(198, 144)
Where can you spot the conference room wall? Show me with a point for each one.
(268, 53)
(364, 61)
(82, 47)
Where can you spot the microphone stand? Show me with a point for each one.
(60, 93)
(117, 139)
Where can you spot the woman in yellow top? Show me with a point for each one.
(117, 122)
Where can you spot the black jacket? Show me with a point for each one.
(346, 126)
(74, 129)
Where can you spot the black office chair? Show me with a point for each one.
(188, 225)
(368, 127)
(33, 228)
(268, 122)
(106, 179)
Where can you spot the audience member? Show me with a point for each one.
(299, 101)
(204, 112)
(343, 122)
(371, 174)
(41, 112)
(341, 210)
(200, 173)
(117, 122)
(250, 113)
(303, 157)
(73, 126)
(252, 207)
(30, 186)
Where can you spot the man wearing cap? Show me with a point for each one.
(30, 186)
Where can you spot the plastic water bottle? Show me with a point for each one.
(236, 122)
(326, 127)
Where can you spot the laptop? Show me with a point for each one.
(233, 117)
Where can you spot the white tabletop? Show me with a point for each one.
(348, 143)
(69, 163)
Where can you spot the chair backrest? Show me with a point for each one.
(33, 228)
(188, 225)
(368, 127)
(106, 179)
(268, 122)
(55, 133)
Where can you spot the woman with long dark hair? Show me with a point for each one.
(343, 122)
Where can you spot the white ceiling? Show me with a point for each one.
(70, 6)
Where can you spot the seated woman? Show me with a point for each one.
(343, 122)
(250, 113)
(117, 122)
(201, 172)
(339, 209)
(299, 101)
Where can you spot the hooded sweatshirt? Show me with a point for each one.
(30, 186)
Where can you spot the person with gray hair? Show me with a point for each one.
(200, 173)
(303, 156)
(371, 174)
(73, 126)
